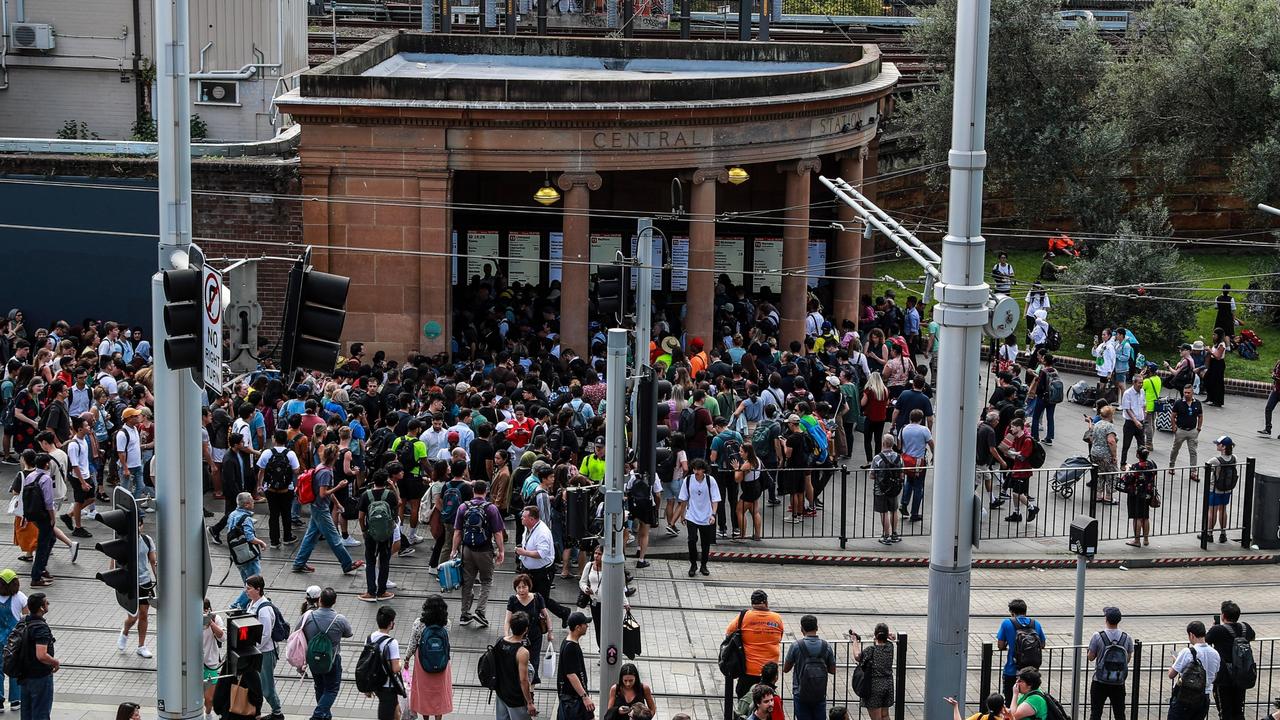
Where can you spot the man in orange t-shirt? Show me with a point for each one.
(698, 359)
(761, 639)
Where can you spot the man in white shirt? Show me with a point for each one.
(107, 378)
(1189, 705)
(111, 344)
(243, 425)
(1134, 406)
(435, 437)
(80, 478)
(129, 453)
(699, 496)
(261, 608)
(389, 694)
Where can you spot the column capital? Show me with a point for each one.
(569, 180)
(710, 174)
(800, 166)
(857, 153)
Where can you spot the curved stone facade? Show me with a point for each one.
(389, 126)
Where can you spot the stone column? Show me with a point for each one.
(315, 216)
(700, 299)
(871, 171)
(795, 248)
(575, 278)
(435, 277)
(848, 250)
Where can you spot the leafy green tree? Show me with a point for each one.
(1200, 82)
(1044, 149)
(1133, 281)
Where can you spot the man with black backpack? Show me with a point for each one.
(1048, 391)
(476, 525)
(1193, 673)
(38, 508)
(33, 659)
(1024, 640)
(378, 511)
(411, 453)
(813, 660)
(1110, 650)
(1231, 638)
(277, 470)
(1224, 475)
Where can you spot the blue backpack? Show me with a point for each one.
(433, 649)
(819, 444)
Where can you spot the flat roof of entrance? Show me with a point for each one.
(455, 66)
(586, 73)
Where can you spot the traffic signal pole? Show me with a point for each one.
(961, 312)
(611, 584)
(177, 400)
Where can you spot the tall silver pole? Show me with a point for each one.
(961, 313)
(1078, 639)
(644, 315)
(611, 584)
(177, 403)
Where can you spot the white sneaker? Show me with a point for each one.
(144, 652)
(350, 542)
(122, 642)
(391, 585)
(75, 552)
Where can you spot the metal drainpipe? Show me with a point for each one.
(4, 44)
(139, 92)
(248, 71)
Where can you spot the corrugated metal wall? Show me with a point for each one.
(236, 27)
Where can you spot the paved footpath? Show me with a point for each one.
(683, 619)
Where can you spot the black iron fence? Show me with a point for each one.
(1011, 504)
(1067, 674)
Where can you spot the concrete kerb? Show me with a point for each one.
(900, 561)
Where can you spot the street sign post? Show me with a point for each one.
(211, 295)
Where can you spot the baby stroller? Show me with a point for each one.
(1065, 479)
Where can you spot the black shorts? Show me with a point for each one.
(388, 702)
(146, 593)
(1018, 486)
(749, 492)
(647, 514)
(411, 488)
(886, 503)
(79, 494)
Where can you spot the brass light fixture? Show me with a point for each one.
(547, 194)
(737, 175)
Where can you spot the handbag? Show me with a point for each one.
(25, 535)
(1153, 500)
(630, 636)
(238, 703)
(583, 599)
(548, 667)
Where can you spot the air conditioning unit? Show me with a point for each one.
(218, 92)
(32, 36)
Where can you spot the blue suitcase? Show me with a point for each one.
(450, 574)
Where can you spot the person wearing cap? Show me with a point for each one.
(762, 631)
(129, 453)
(324, 619)
(1224, 475)
(725, 458)
(571, 673)
(1108, 682)
(1151, 389)
(447, 452)
(698, 359)
(794, 479)
(13, 607)
(593, 465)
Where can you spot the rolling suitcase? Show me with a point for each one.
(450, 574)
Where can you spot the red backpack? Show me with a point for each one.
(307, 487)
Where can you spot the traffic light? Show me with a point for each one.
(244, 633)
(313, 317)
(609, 291)
(183, 319)
(123, 550)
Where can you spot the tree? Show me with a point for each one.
(1154, 299)
(1044, 149)
(1200, 82)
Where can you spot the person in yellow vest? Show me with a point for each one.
(593, 465)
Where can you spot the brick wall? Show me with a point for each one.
(258, 206)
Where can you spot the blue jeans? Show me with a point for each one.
(1041, 407)
(267, 674)
(913, 493)
(15, 690)
(139, 488)
(295, 512)
(327, 690)
(37, 700)
(247, 570)
(809, 711)
(321, 525)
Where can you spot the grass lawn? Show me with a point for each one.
(1026, 263)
